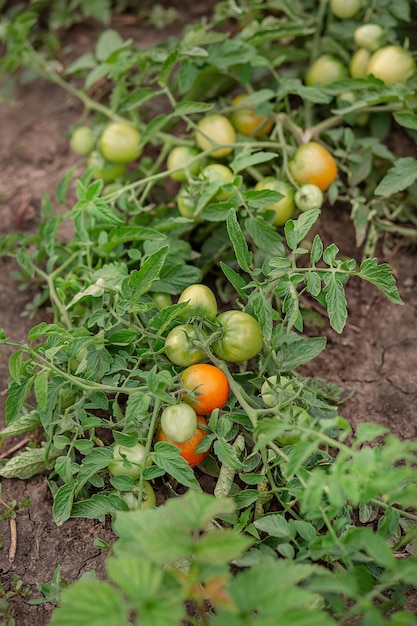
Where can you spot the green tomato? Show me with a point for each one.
(201, 302)
(358, 66)
(308, 197)
(242, 337)
(345, 9)
(214, 132)
(162, 300)
(277, 391)
(108, 172)
(179, 346)
(82, 140)
(179, 422)
(119, 143)
(297, 417)
(132, 497)
(182, 159)
(324, 70)
(128, 460)
(187, 204)
(369, 36)
(219, 175)
(392, 64)
(284, 208)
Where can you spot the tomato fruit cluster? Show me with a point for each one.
(188, 448)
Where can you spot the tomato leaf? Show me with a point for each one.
(235, 279)
(243, 255)
(97, 506)
(335, 302)
(244, 160)
(265, 236)
(29, 463)
(401, 176)
(167, 457)
(63, 500)
(90, 601)
(382, 277)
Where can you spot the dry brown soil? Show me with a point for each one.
(376, 354)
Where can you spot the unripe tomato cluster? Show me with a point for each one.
(117, 145)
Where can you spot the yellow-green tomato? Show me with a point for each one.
(119, 143)
(324, 70)
(128, 460)
(101, 168)
(284, 208)
(308, 197)
(219, 175)
(297, 418)
(182, 159)
(392, 64)
(179, 422)
(369, 36)
(358, 66)
(162, 300)
(132, 497)
(276, 390)
(215, 132)
(242, 337)
(180, 348)
(345, 9)
(201, 302)
(82, 140)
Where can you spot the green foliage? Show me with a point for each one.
(318, 530)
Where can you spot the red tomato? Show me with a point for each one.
(209, 386)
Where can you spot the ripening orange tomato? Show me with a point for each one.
(313, 164)
(209, 386)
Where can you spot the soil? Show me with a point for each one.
(376, 354)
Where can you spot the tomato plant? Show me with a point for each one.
(179, 346)
(284, 208)
(82, 140)
(308, 197)
(179, 422)
(246, 121)
(128, 460)
(201, 302)
(313, 164)
(324, 70)
(182, 160)
(188, 449)
(242, 336)
(119, 143)
(392, 64)
(215, 133)
(207, 388)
